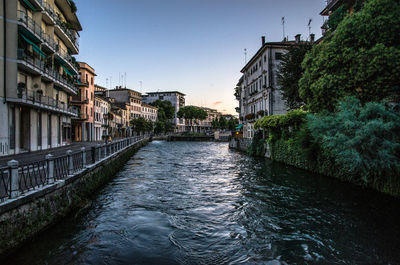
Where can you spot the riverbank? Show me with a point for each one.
(27, 215)
(281, 151)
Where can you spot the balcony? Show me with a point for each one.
(81, 117)
(35, 99)
(67, 60)
(29, 26)
(76, 100)
(38, 67)
(330, 5)
(69, 36)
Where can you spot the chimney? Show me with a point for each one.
(262, 40)
(297, 38)
(312, 37)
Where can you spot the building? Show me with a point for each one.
(258, 89)
(149, 112)
(114, 123)
(128, 96)
(101, 109)
(177, 100)
(38, 71)
(83, 124)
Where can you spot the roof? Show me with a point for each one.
(86, 66)
(149, 106)
(280, 44)
(124, 89)
(162, 92)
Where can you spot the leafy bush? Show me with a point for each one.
(361, 58)
(293, 118)
(256, 147)
(364, 140)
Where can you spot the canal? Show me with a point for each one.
(201, 203)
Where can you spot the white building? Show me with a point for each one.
(177, 100)
(101, 109)
(258, 89)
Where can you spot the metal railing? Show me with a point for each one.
(34, 97)
(41, 66)
(17, 180)
(29, 23)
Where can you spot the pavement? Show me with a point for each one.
(29, 157)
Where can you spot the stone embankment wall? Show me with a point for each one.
(21, 219)
(241, 144)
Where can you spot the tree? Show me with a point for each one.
(361, 58)
(141, 125)
(192, 113)
(363, 139)
(223, 123)
(166, 112)
(232, 124)
(290, 72)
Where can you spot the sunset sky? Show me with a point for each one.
(193, 46)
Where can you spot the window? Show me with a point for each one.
(91, 81)
(265, 58)
(278, 56)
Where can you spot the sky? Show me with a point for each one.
(192, 46)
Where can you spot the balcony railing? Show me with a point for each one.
(29, 23)
(37, 99)
(40, 66)
(71, 34)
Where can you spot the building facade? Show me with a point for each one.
(101, 109)
(149, 112)
(128, 96)
(38, 72)
(258, 89)
(177, 100)
(83, 124)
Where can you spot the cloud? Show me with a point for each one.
(217, 103)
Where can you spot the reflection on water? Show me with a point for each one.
(200, 203)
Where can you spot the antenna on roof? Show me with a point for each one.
(309, 26)
(283, 27)
(125, 79)
(141, 83)
(245, 55)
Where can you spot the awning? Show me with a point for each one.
(28, 4)
(66, 70)
(239, 126)
(34, 46)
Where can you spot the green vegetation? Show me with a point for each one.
(166, 113)
(142, 125)
(223, 124)
(290, 72)
(364, 140)
(361, 58)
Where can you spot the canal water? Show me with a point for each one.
(201, 203)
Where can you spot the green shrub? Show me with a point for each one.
(364, 140)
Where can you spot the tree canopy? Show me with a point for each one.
(290, 72)
(361, 58)
(192, 112)
(141, 125)
(166, 112)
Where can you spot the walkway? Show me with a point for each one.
(30, 157)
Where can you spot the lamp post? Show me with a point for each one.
(105, 117)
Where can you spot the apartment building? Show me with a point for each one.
(149, 112)
(177, 100)
(128, 96)
(38, 40)
(258, 89)
(83, 124)
(332, 6)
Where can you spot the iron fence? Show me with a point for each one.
(4, 184)
(15, 180)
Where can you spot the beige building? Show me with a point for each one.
(149, 112)
(205, 125)
(38, 73)
(101, 109)
(128, 96)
